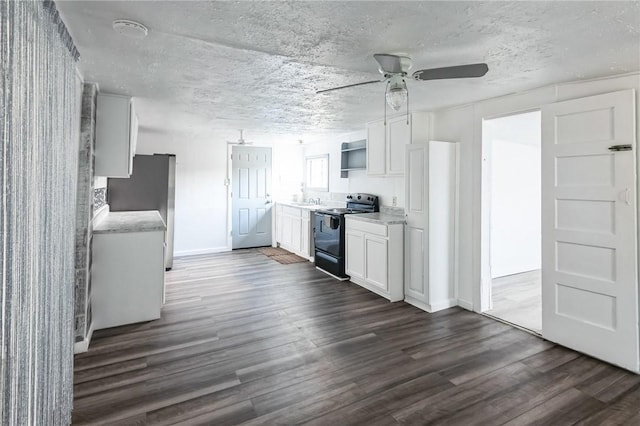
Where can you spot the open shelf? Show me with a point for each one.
(354, 157)
(354, 149)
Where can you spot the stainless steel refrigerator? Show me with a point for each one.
(150, 187)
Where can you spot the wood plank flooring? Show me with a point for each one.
(518, 299)
(246, 340)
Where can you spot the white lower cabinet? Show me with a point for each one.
(294, 230)
(374, 257)
(127, 276)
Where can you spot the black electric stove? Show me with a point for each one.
(329, 233)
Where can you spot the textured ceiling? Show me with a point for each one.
(209, 68)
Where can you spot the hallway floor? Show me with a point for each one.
(518, 299)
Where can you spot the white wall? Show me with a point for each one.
(202, 198)
(514, 142)
(358, 181)
(287, 171)
(464, 124)
(201, 210)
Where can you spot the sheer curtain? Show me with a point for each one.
(39, 122)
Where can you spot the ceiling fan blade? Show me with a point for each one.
(350, 85)
(389, 63)
(459, 71)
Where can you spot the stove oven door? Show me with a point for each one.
(328, 231)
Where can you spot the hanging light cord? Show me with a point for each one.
(385, 102)
(405, 84)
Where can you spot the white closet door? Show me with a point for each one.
(416, 233)
(589, 254)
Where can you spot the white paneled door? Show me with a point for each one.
(250, 196)
(589, 251)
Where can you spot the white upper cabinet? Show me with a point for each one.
(398, 135)
(376, 149)
(116, 136)
(385, 143)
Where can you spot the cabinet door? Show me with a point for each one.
(113, 136)
(376, 262)
(416, 235)
(296, 235)
(304, 238)
(355, 254)
(287, 231)
(133, 136)
(278, 224)
(376, 148)
(399, 135)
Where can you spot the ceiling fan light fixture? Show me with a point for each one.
(131, 29)
(397, 94)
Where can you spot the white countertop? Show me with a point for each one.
(298, 205)
(134, 221)
(380, 218)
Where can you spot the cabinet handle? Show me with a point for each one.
(627, 192)
(616, 148)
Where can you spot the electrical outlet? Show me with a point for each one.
(394, 201)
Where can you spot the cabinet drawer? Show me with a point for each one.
(367, 227)
(291, 211)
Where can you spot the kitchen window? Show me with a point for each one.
(317, 173)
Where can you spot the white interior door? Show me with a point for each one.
(250, 196)
(589, 254)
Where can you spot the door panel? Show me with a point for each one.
(376, 262)
(262, 224)
(416, 234)
(296, 237)
(414, 279)
(589, 256)
(251, 205)
(376, 147)
(243, 222)
(354, 243)
(399, 136)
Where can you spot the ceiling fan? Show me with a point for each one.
(240, 141)
(395, 69)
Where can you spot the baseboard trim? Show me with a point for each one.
(211, 250)
(465, 304)
(434, 307)
(83, 346)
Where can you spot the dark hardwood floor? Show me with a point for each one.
(244, 339)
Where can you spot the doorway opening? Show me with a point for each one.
(512, 148)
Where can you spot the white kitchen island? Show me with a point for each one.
(127, 272)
